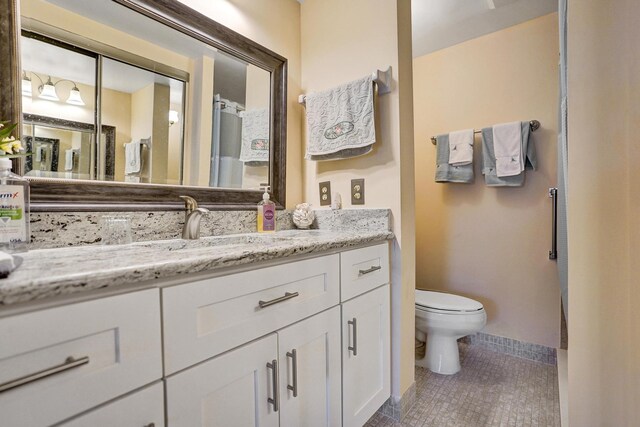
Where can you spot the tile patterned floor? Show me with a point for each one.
(492, 389)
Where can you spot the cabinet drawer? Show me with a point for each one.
(363, 269)
(143, 408)
(205, 318)
(115, 341)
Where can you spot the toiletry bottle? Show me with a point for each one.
(266, 214)
(14, 209)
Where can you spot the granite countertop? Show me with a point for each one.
(46, 273)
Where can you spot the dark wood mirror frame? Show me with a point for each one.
(61, 195)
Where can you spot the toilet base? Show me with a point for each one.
(442, 355)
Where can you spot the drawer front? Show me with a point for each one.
(205, 318)
(115, 343)
(143, 408)
(362, 270)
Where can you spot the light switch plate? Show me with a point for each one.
(325, 193)
(357, 191)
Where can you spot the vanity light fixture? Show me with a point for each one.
(173, 117)
(47, 90)
(26, 85)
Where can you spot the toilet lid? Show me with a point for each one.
(444, 301)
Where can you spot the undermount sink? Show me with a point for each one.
(216, 241)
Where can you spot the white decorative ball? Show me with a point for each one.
(303, 216)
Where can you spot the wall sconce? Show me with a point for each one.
(47, 90)
(173, 117)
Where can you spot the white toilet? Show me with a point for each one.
(444, 318)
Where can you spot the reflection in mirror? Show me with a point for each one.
(183, 112)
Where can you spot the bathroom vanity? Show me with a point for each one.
(290, 329)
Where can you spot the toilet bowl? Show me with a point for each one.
(444, 318)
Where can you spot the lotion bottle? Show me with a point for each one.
(266, 214)
(14, 209)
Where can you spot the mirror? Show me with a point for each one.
(180, 101)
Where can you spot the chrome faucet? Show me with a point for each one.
(192, 217)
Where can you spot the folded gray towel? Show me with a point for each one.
(491, 178)
(446, 172)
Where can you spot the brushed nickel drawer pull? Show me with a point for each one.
(286, 296)
(276, 385)
(294, 366)
(69, 363)
(354, 348)
(370, 270)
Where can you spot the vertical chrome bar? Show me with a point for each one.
(275, 401)
(354, 348)
(294, 366)
(553, 194)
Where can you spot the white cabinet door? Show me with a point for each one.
(231, 390)
(365, 355)
(310, 386)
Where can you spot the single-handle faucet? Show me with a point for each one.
(192, 217)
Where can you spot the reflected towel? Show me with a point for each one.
(446, 172)
(38, 154)
(254, 150)
(132, 161)
(461, 147)
(507, 144)
(340, 121)
(491, 178)
(68, 160)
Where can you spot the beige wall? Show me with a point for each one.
(491, 244)
(335, 49)
(274, 24)
(604, 213)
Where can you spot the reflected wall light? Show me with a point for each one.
(173, 117)
(47, 90)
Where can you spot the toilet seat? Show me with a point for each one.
(442, 302)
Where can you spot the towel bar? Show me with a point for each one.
(533, 124)
(382, 79)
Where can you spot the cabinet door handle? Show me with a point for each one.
(294, 366)
(275, 401)
(69, 363)
(369, 270)
(354, 348)
(286, 296)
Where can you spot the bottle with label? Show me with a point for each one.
(266, 214)
(14, 209)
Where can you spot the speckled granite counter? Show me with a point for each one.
(47, 273)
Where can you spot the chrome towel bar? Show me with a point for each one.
(533, 124)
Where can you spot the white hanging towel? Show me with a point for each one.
(68, 160)
(254, 150)
(340, 121)
(507, 143)
(461, 147)
(38, 154)
(132, 161)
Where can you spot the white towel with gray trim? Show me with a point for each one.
(254, 150)
(132, 161)
(461, 147)
(68, 160)
(340, 121)
(507, 145)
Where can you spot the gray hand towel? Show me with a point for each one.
(446, 172)
(491, 178)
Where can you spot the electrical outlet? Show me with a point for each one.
(325, 193)
(357, 191)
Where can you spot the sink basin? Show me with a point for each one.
(216, 241)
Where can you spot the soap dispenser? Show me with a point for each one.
(266, 213)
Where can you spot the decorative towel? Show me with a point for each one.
(461, 147)
(255, 137)
(340, 121)
(507, 144)
(132, 160)
(491, 178)
(68, 160)
(446, 172)
(39, 153)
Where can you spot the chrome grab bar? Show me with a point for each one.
(369, 270)
(294, 366)
(553, 194)
(69, 363)
(286, 296)
(276, 385)
(354, 347)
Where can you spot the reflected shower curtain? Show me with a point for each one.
(562, 163)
